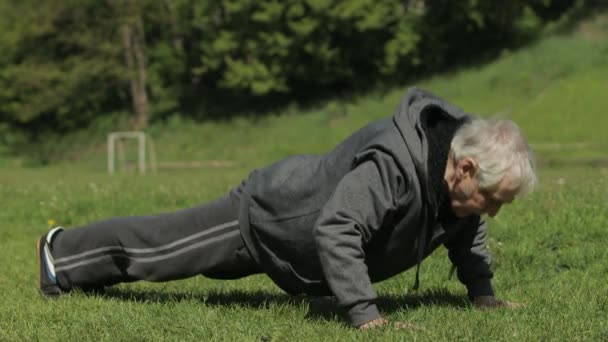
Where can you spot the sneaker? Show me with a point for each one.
(48, 280)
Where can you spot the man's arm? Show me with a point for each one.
(468, 252)
(356, 210)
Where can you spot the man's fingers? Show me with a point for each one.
(491, 302)
(373, 324)
(513, 305)
(508, 304)
(407, 326)
(382, 322)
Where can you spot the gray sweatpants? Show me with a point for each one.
(204, 240)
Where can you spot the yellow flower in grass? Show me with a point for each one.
(50, 222)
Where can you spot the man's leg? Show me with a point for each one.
(200, 240)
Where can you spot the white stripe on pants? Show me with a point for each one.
(201, 240)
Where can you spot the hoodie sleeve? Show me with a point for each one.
(468, 253)
(354, 213)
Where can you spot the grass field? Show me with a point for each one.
(549, 248)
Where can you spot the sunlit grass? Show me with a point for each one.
(548, 252)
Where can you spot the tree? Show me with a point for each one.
(133, 43)
(59, 68)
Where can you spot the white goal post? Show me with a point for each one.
(115, 141)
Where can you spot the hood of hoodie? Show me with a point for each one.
(407, 118)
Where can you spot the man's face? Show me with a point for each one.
(467, 199)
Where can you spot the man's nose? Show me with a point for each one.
(493, 210)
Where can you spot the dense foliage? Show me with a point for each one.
(65, 64)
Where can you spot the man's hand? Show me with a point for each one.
(378, 322)
(492, 302)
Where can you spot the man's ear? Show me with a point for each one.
(467, 168)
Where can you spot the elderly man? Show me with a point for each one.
(373, 207)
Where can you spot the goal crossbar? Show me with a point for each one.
(142, 142)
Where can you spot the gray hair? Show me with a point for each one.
(499, 148)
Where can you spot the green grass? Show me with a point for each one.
(549, 248)
(549, 253)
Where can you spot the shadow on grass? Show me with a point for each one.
(327, 308)
(319, 308)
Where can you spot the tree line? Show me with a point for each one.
(66, 63)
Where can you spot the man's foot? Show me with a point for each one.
(46, 269)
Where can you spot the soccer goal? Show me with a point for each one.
(144, 144)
